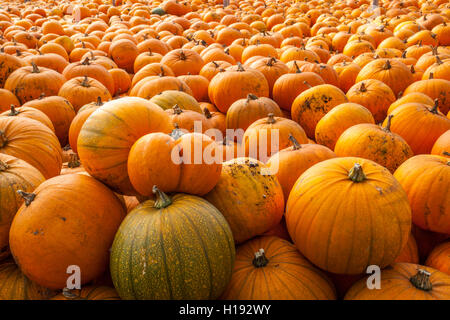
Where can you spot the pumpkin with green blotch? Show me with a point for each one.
(91, 292)
(14, 285)
(178, 247)
(270, 268)
(168, 98)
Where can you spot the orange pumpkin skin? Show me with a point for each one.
(107, 136)
(374, 95)
(124, 52)
(32, 142)
(426, 180)
(280, 231)
(411, 97)
(396, 284)
(375, 143)
(420, 125)
(282, 273)
(55, 235)
(252, 202)
(339, 119)
(439, 258)
(410, 252)
(267, 136)
(435, 89)
(28, 83)
(234, 84)
(442, 145)
(183, 61)
(91, 292)
(289, 164)
(59, 110)
(382, 222)
(16, 286)
(7, 98)
(15, 174)
(8, 64)
(426, 241)
(311, 105)
(30, 113)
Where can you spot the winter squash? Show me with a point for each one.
(172, 269)
(346, 73)
(101, 144)
(411, 97)
(288, 164)
(250, 199)
(405, 281)
(374, 95)
(269, 268)
(149, 87)
(375, 143)
(326, 72)
(190, 121)
(382, 222)
(271, 68)
(15, 174)
(235, 83)
(269, 135)
(339, 119)
(28, 83)
(312, 104)
(410, 252)
(425, 180)
(54, 235)
(33, 142)
(442, 145)
(7, 98)
(198, 85)
(435, 89)
(124, 53)
(172, 163)
(16, 286)
(90, 292)
(426, 241)
(420, 125)
(152, 69)
(439, 258)
(30, 113)
(183, 61)
(168, 98)
(121, 79)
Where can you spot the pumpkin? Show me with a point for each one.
(442, 145)
(16, 286)
(404, 281)
(236, 83)
(439, 258)
(33, 142)
(271, 68)
(59, 110)
(183, 61)
(420, 125)
(83, 90)
(30, 113)
(411, 97)
(28, 83)
(425, 180)
(172, 269)
(346, 74)
(216, 122)
(410, 252)
(7, 99)
(288, 164)
(269, 268)
(121, 79)
(124, 53)
(8, 64)
(210, 69)
(107, 136)
(198, 85)
(91, 292)
(152, 69)
(353, 234)
(312, 104)
(151, 86)
(187, 120)
(375, 143)
(435, 89)
(173, 164)
(426, 241)
(269, 135)
(168, 98)
(326, 72)
(339, 119)
(55, 235)
(250, 199)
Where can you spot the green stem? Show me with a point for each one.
(162, 199)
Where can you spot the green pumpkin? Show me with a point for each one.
(158, 11)
(172, 248)
(167, 99)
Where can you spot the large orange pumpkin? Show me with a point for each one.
(439, 258)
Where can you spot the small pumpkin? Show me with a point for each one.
(439, 258)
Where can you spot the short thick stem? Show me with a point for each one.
(3, 166)
(28, 197)
(388, 124)
(294, 142)
(162, 199)
(422, 280)
(356, 174)
(271, 118)
(260, 259)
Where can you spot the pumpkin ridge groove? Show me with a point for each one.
(163, 252)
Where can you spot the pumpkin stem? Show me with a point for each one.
(182, 55)
(260, 259)
(162, 199)
(363, 88)
(13, 112)
(307, 84)
(70, 294)
(99, 101)
(86, 62)
(3, 166)
(162, 73)
(85, 82)
(356, 174)
(240, 67)
(176, 133)
(251, 96)
(207, 113)
(294, 142)
(3, 139)
(431, 76)
(28, 197)
(271, 118)
(438, 60)
(387, 66)
(35, 68)
(422, 280)
(271, 61)
(74, 161)
(297, 68)
(388, 124)
(176, 109)
(435, 107)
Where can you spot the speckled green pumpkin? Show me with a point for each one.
(178, 248)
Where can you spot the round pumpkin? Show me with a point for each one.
(439, 258)
(442, 145)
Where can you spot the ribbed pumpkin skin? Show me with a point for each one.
(439, 258)
(251, 202)
(15, 174)
(375, 143)
(396, 285)
(410, 252)
(183, 251)
(14, 285)
(33, 142)
(426, 180)
(442, 144)
(71, 221)
(167, 99)
(91, 292)
(287, 276)
(109, 133)
(31, 113)
(349, 225)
